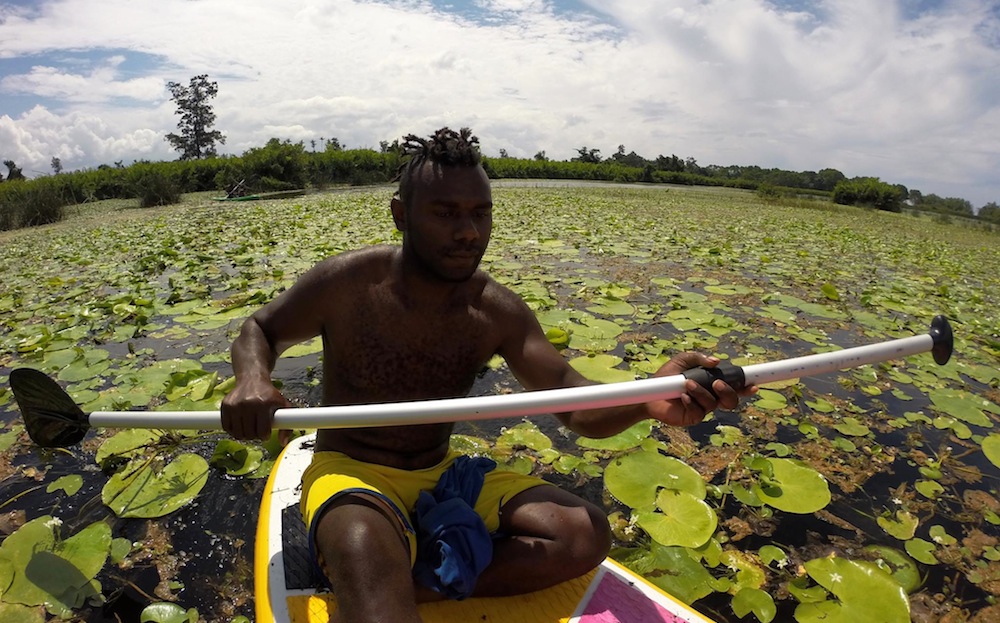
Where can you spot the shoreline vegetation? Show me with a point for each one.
(285, 166)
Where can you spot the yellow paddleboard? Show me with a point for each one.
(286, 588)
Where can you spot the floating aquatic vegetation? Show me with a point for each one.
(138, 311)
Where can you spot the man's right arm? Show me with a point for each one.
(293, 317)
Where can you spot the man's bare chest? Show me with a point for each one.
(386, 352)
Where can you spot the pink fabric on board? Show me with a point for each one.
(614, 601)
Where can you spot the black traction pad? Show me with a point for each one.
(301, 571)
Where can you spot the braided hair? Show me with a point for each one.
(445, 147)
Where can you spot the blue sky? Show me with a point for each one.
(906, 90)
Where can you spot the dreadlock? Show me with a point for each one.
(445, 147)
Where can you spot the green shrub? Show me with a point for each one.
(154, 186)
(279, 165)
(32, 203)
(868, 192)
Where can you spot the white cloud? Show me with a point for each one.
(849, 84)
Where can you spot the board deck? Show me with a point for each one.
(609, 594)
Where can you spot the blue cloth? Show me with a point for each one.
(453, 544)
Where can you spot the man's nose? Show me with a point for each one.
(466, 229)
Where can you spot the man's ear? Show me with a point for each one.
(398, 213)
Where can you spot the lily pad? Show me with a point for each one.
(625, 440)
(903, 525)
(685, 520)
(68, 484)
(145, 491)
(635, 479)
(991, 448)
(794, 487)
(235, 458)
(754, 600)
(601, 368)
(863, 593)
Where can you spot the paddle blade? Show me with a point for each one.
(52, 418)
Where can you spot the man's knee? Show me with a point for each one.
(356, 531)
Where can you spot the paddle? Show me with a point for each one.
(54, 420)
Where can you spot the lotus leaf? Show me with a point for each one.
(140, 490)
(793, 488)
(821, 406)
(754, 600)
(635, 478)
(612, 307)
(625, 440)
(864, 594)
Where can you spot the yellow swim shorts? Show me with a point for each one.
(333, 474)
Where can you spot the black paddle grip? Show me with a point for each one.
(731, 374)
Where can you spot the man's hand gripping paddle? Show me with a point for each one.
(54, 420)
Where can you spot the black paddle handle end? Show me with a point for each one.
(725, 371)
(944, 340)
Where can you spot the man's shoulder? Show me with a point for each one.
(359, 261)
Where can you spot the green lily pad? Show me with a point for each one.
(991, 448)
(68, 484)
(601, 368)
(235, 458)
(964, 406)
(770, 400)
(851, 427)
(794, 487)
(144, 491)
(863, 593)
(902, 526)
(929, 488)
(166, 612)
(921, 551)
(310, 347)
(686, 521)
(903, 568)
(754, 600)
(635, 479)
(524, 435)
(671, 568)
(56, 574)
(625, 440)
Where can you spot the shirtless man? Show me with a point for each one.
(418, 322)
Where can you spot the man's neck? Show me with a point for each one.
(416, 286)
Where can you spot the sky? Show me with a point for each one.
(904, 90)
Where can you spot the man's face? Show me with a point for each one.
(447, 225)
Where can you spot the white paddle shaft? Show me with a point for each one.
(520, 404)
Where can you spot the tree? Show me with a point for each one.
(588, 155)
(13, 171)
(56, 165)
(541, 157)
(990, 212)
(196, 139)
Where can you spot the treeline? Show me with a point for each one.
(283, 165)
